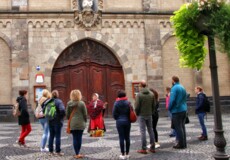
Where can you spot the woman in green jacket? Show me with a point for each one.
(76, 107)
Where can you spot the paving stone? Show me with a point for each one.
(107, 147)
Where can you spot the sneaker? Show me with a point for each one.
(142, 151)
(19, 143)
(51, 154)
(172, 135)
(44, 149)
(127, 156)
(149, 146)
(157, 145)
(122, 157)
(203, 138)
(152, 150)
(79, 156)
(59, 154)
(177, 146)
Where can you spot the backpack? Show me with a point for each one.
(50, 110)
(206, 104)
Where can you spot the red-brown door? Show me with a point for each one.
(89, 75)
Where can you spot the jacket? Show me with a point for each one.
(178, 97)
(145, 103)
(60, 111)
(79, 119)
(24, 118)
(200, 103)
(121, 111)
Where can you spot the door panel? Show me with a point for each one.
(114, 84)
(79, 80)
(59, 79)
(97, 82)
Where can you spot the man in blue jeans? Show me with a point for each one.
(178, 108)
(144, 108)
(56, 124)
(200, 112)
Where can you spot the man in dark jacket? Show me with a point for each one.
(56, 124)
(200, 112)
(145, 107)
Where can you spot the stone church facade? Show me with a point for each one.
(64, 37)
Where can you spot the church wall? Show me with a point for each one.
(5, 5)
(5, 72)
(124, 38)
(142, 43)
(49, 5)
(121, 5)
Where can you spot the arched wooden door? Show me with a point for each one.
(89, 67)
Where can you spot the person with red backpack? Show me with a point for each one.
(200, 111)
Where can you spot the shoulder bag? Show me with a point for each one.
(71, 116)
(132, 114)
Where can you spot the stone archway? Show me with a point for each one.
(91, 67)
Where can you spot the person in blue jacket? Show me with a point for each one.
(178, 109)
(121, 112)
(200, 100)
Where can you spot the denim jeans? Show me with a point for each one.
(201, 120)
(178, 120)
(55, 132)
(77, 140)
(173, 132)
(146, 121)
(45, 127)
(155, 118)
(124, 137)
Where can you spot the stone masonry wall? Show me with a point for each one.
(48, 39)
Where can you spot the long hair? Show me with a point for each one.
(155, 93)
(75, 95)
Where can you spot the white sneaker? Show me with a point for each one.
(127, 156)
(44, 149)
(149, 146)
(157, 145)
(122, 157)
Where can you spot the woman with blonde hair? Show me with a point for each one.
(46, 95)
(76, 110)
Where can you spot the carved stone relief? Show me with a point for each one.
(87, 13)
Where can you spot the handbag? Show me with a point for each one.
(16, 111)
(71, 116)
(39, 112)
(187, 119)
(132, 114)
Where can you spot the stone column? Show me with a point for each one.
(153, 55)
(20, 70)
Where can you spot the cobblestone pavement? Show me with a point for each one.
(107, 147)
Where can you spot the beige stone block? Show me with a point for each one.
(129, 77)
(5, 5)
(123, 5)
(50, 5)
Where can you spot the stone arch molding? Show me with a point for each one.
(103, 39)
(6, 39)
(166, 37)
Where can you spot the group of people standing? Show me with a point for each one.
(52, 128)
(146, 108)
